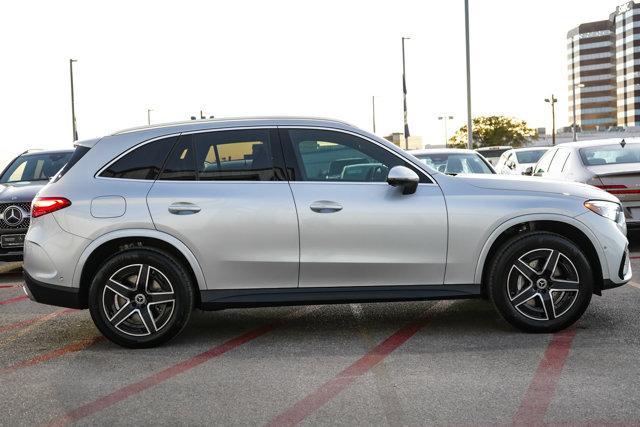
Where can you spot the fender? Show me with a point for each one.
(141, 232)
(539, 217)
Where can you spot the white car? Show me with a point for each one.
(516, 161)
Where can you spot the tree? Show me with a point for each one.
(494, 130)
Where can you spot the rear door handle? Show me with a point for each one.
(183, 208)
(325, 206)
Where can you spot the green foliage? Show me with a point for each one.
(494, 130)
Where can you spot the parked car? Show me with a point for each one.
(150, 223)
(492, 154)
(518, 160)
(611, 164)
(454, 161)
(19, 183)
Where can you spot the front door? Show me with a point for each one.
(355, 229)
(224, 194)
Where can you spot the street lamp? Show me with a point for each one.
(404, 92)
(573, 127)
(552, 101)
(445, 118)
(73, 102)
(468, 57)
(149, 110)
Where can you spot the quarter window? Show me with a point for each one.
(325, 155)
(144, 162)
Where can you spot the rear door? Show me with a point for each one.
(224, 194)
(355, 229)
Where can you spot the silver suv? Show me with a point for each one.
(147, 224)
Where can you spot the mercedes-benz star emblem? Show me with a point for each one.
(13, 215)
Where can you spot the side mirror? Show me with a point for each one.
(528, 171)
(402, 176)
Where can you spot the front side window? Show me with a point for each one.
(35, 167)
(144, 162)
(531, 156)
(559, 160)
(325, 155)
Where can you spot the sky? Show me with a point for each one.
(251, 58)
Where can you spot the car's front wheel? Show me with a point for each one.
(141, 298)
(540, 282)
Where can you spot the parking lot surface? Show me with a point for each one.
(449, 363)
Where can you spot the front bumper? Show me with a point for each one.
(45, 293)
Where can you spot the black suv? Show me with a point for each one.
(20, 181)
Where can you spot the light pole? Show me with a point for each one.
(552, 101)
(404, 93)
(445, 118)
(466, 32)
(73, 102)
(373, 112)
(581, 85)
(149, 110)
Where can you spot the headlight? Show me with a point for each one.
(610, 210)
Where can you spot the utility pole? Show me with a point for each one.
(404, 92)
(552, 101)
(446, 139)
(373, 112)
(149, 110)
(466, 32)
(73, 102)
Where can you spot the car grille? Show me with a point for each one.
(26, 207)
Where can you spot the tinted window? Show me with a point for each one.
(35, 167)
(543, 165)
(181, 163)
(558, 161)
(144, 162)
(336, 156)
(610, 154)
(238, 155)
(455, 163)
(529, 156)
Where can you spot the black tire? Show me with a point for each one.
(531, 294)
(140, 315)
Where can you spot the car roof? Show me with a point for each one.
(597, 142)
(38, 152)
(190, 125)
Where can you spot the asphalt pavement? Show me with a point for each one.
(417, 363)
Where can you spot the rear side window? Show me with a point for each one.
(237, 155)
(181, 163)
(144, 162)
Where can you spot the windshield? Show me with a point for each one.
(455, 163)
(531, 156)
(610, 154)
(34, 167)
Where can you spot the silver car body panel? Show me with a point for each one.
(247, 235)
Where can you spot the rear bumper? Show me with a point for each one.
(45, 293)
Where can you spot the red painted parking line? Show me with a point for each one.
(9, 286)
(28, 322)
(634, 257)
(14, 299)
(71, 348)
(166, 374)
(537, 399)
(327, 391)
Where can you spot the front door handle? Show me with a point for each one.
(183, 208)
(325, 206)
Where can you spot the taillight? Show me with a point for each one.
(44, 205)
(619, 189)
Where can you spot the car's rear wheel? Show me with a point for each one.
(540, 282)
(141, 298)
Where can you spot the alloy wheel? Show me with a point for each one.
(543, 284)
(138, 300)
